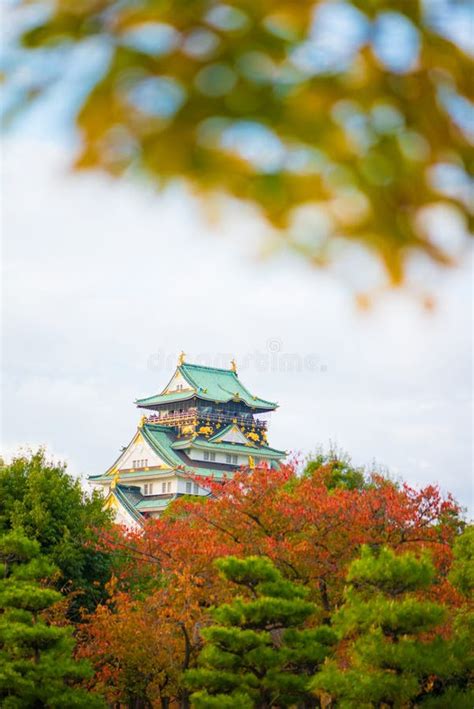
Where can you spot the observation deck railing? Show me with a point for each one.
(180, 418)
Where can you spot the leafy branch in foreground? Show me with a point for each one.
(357, 110)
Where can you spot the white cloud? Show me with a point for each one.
(104, 281)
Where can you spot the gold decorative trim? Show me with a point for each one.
(115, 478)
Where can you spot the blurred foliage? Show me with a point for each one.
(336, 119)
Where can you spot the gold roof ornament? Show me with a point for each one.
(251, 463)
(115, 478)
(233, 365)
(142, 421)
(181, 358)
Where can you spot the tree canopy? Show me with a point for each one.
(40, 498)
(336, 120)
(330, 587)
(311, 527)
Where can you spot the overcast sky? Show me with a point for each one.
(105, 283)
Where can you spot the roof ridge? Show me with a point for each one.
(204, 366)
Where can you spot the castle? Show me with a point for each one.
(205, 423)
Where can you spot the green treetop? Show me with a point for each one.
(257, 655)
(336, 470)
(393, 655)
(36, 664)
(50, 506)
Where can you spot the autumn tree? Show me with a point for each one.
(393, 652)
(146, 635)
(309, 528)
(36, 664)
(333, 119)
(50, 506)
(257, 654)
(141, 644)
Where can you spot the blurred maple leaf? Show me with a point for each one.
(358, 111)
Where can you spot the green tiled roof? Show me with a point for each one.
(206, 472)
(204, 444)
(128, 501)
(154, 504)
(210, 384)
(160, 438)
(165, 398)
(132, 475)
(183, 471)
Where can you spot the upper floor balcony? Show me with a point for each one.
(180, 418)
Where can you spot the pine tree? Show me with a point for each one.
(36, 664)
(257, 655)
(392, 654)
(457, 689)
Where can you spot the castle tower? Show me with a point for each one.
(204, 423)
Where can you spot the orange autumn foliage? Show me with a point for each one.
(148, 632)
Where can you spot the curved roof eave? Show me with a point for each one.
(132, 511)
(250, 449)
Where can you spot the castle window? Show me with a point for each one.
(179, 387)
(188, 487)
(168, 487)
(209, 455)
(148, 489)
(196, 489)
(163, 487)
(231, 458)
